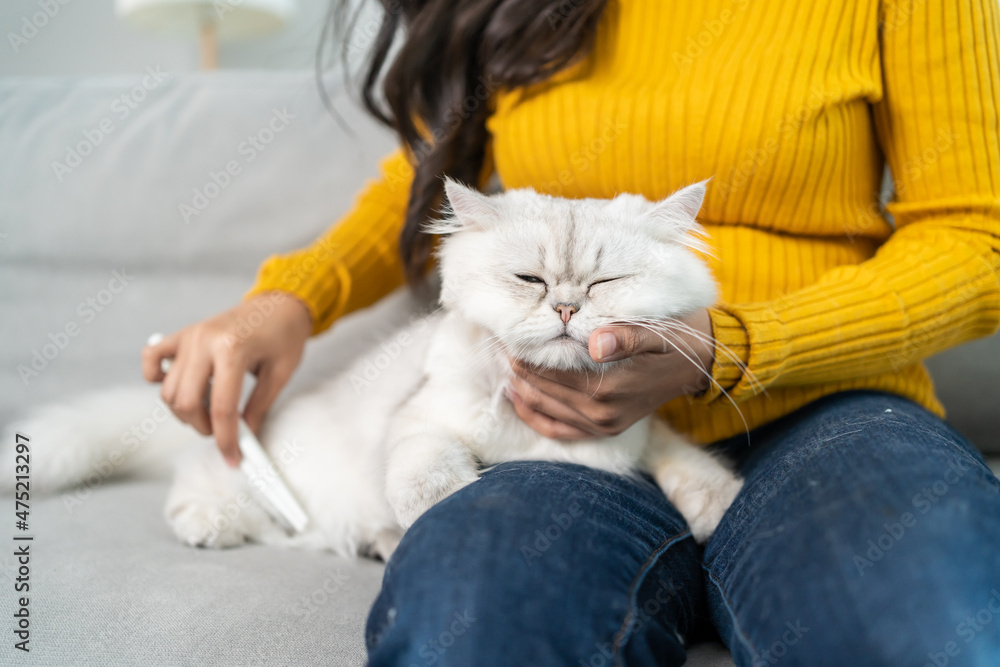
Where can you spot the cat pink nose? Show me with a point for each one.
(565, 310)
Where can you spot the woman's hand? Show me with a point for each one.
(264, 335)
(571, 406)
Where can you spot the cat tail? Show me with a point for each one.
(92, 439)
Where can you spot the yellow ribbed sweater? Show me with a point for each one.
(792, 108)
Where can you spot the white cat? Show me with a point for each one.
(523, 274)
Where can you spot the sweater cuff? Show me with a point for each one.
(322, 291)
(732, 353)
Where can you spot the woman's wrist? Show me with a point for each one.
(730, 354)
(292, 309)
(703, 344)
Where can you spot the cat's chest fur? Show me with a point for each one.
(466, 373)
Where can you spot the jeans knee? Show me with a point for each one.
(545, 552)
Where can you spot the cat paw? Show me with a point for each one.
(204, 525)
(415, 494)
(704, 505)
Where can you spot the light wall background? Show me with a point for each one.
(85, 37)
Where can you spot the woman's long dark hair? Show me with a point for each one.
(435, 93)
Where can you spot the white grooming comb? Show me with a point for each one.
(270, 489)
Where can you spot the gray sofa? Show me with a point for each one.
(94, 176)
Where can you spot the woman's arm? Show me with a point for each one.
(935, 283)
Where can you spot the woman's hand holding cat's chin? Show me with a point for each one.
(572, 406)
(264, 335)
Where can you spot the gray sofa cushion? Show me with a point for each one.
(111, 585)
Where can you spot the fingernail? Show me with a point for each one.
(607, 343)
(232, 462)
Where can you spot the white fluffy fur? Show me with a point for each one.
(367, 466)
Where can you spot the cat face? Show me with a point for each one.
(540, 273)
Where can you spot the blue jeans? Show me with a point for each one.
(868, 533)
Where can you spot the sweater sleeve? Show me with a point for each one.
(356, 261)
(935, 283)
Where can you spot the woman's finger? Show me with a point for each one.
(171, 382)
(613, 343)
(545, 425)
(271, 379)
(557, 390)
(153, 356)
(224, 405)
(574, 380)
(549, 406)
(192, 388)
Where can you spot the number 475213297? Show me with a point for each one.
(22, 472)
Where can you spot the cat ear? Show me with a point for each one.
(674, 218)
(469, 208)
(685, 202)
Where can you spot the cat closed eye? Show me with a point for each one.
(604, 280)
(528, 278)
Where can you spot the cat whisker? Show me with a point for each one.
(600, 381)
(755, 384)
(659, 328)
(494, 344)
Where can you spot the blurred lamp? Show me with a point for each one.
(211, 19)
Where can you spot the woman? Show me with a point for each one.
(866, 532)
